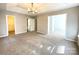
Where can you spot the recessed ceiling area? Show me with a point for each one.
(40, 7)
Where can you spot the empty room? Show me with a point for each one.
(39, 28)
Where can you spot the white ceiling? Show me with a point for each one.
(41, 7)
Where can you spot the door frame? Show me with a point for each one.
(7, 24)
(27, 23)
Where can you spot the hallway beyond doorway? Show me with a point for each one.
(10, 25)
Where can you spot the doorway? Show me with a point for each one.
(31, 25)
(10, 25)
(57, 24)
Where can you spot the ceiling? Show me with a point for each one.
(40, 7)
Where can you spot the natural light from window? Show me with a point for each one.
(57, 24)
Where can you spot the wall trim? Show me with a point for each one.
(3, 36)
(21, 32)
(70, 40)
(15, 34)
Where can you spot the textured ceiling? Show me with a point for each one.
(41, 7)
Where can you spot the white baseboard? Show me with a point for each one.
(3, 36)
(21, 32)
(70, 40)
(15, 33)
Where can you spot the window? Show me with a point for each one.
(57, 24)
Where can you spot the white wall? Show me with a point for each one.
(72, 22)
(42, 24)
(20, 23)
(2, 24)
(78, 27)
